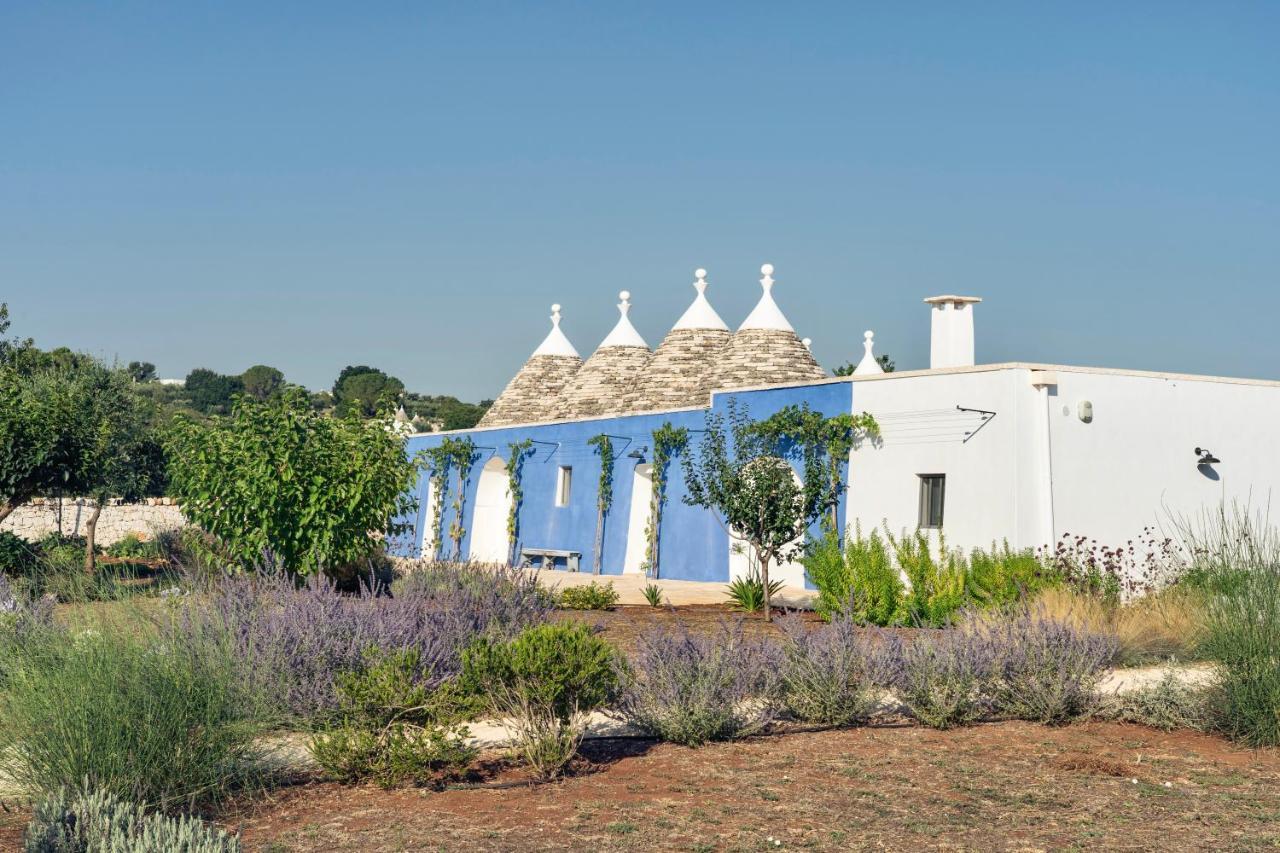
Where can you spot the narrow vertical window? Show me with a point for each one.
(564, 485)
(933, 490)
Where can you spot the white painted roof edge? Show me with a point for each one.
(766, 314)
(556, 343)
(624, 334)
(700, 315)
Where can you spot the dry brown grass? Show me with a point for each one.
(1163, 625)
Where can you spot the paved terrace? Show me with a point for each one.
(631, 588)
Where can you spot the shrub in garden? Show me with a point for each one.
(20, 617)
(747, 593)
(936, 585)
(17, 555)
(833, 675)
(90, 821)
(1045, 670)
(286, 642)
(653, 595)
(689, 688)
(395, 728)
(547, 681)
(593, 596)
(859, 580)
(342, 478)
(944, 677)
(1003, 576)
(1168, 704)
(150, 724)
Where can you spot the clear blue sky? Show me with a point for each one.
(411, 185)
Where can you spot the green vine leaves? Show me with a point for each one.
(458, 454)
(667, 441)
(515, 469)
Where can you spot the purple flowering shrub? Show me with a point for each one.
(833, 675)
(288, 641)
(1018, 665)
(1045, 670)
(943, 677)
(690, 688)
(20, 614)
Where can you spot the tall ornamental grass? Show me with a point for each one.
(1236, 559)
(287, 641)
(153, 725)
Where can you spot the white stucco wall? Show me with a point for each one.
(1035, 472)
(989, 477)
(1134, 465)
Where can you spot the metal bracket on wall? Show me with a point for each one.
(986, 419)
(553, 444)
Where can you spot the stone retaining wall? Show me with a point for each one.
(40, 517)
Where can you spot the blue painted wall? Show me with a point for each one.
(693, 545)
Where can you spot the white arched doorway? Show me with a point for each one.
(741, 560)
(430, 525)
(489, 521)
(637, 542)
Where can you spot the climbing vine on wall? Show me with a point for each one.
(604, 494)
(458, 454)
(667, 440)
(515, 467)
(822, 440)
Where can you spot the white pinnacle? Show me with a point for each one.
(624, 334)
(700, 315)
(766, 314)
(555, 342)
(868, 363)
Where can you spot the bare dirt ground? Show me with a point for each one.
(1006, 786)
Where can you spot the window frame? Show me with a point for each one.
(564, 485)
(928, 484)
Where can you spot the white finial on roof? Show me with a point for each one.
(808, 343)
(555, 342)
(624, 334)
(868, 363)
(766, 314)
(700, 315)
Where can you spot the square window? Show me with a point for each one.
(564, 485)
(933, 490)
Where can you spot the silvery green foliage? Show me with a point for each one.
(98, 822)
(944, 676)
(20, 614)
(288, 641)
(1046, 670)
(834, 675)
(689, 688)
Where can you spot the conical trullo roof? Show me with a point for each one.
(679, 374)
(609, 382)
(764, 350)
(536, 392)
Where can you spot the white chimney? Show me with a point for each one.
(951, 342)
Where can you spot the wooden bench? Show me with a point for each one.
(548, 557)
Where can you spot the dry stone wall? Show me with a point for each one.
(42, 516)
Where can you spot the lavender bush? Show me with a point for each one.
(1045, 670)
(944, 678)
(20, 614)
(833, 675)
(288, 642)
(689, 688)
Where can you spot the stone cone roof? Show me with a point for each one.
(609, 383)
(754, 357)
(535, 393)
(679, 374)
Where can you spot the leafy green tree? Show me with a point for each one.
(278, 478)
(76, 428)
(741, 472)
(365, 391)
(141, 371)
(261, 381)
(211, 392)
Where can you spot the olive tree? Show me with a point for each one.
(277, 478)
(741, 472)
